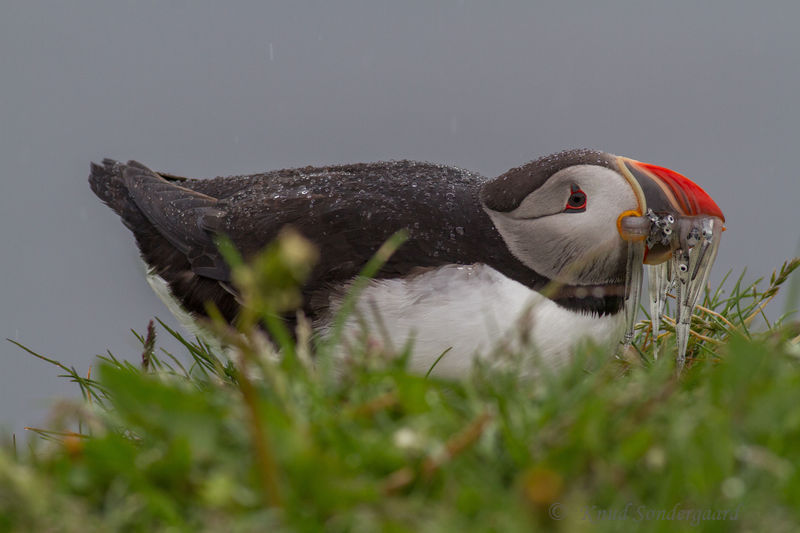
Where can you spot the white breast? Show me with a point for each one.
(472, 311)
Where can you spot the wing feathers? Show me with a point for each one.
(183, 216)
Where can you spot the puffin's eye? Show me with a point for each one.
(577, 201)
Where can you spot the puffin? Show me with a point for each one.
(535, 259)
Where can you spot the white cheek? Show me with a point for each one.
(554, 244)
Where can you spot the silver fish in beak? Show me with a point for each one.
(676, 234)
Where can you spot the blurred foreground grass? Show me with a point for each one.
(204, 443)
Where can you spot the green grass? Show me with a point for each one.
(200, 443)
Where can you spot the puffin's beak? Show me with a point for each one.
(676, 232)
(665, 193)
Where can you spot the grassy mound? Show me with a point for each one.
(258, 443)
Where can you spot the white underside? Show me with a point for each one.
(471, 311)
(162, 290)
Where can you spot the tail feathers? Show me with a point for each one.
(107, 183)
(190, 286)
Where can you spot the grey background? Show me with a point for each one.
(210, 88)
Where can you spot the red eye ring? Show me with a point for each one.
(576, 203)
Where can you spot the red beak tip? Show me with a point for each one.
(690, 196)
